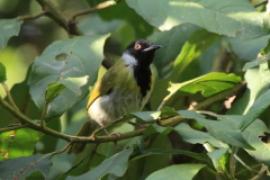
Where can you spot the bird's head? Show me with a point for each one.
(140, 52)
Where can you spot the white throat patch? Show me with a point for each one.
(129, 59)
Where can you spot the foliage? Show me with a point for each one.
(208, 116)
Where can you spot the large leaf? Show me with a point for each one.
(22, 167)
(176, 172)
(249, 48)
(68, 62)
(195, 136)
(8, 29)
(223, 129)
(115, 165)
(227, 17)
(208, 84)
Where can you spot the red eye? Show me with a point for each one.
(137, 46)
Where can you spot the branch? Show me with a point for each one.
(219, 97)
(27, 122)
(100, 6)
(32, 17)
(98, 139)
(56, 15)
(69, 25)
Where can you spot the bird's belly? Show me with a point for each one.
(108, 108)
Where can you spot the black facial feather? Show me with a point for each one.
(144, 59)
(143, 78)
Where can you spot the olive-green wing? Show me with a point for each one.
(101, 87)
(105, 82)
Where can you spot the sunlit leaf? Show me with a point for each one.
(227, 17)
(208, 84)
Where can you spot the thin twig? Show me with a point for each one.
(12, 127)
(100, 6)
(32, 17)
(43, 115)
(232, 163)
(260, 174)
(98, 130)
(57, 16)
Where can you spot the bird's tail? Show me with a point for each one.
(85, 130)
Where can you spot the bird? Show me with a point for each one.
(124, 88)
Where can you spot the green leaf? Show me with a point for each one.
(223, 130)
(69, 62)
(260, 104)
(195, 136)
(261, 151)
(22, 167)
(2, 73)
(53, 91)
(227, 17)
(208, 84)
(176, 172)
(247, 49)
(192, 49)
(115, 165)
(14, 144)
(8, 29)
(256, 90)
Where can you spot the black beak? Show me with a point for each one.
(152, 47)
